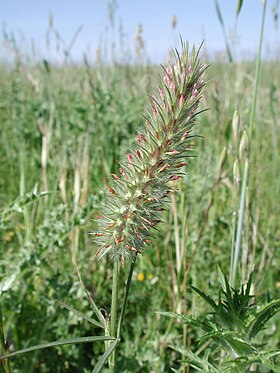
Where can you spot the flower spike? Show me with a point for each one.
(137, 195)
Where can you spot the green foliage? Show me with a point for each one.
(229, 331)
(17, 206)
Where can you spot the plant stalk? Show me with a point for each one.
(114, 313)
(242, 207)
(125, 297)
(235, 256)
(4, 345)
(257, 75)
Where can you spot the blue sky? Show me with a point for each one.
(196, 20)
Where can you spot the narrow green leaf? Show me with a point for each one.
(105, 356)
(195, 361)
(185, 319)
(248, 287)
(229, 298)
(221, 278)
(80, 314)
(238, 236)
(90, 299)
(18, 205)
(239, 6)
(58, 343)
(263, 315)
(206, 298)
(228, 340)
(220, 18)
(239, 346)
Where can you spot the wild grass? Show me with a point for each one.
(63, 129)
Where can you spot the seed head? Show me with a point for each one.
(137, 195)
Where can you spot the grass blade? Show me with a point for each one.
(234, 260)
(239, 6)
(91, 301)
(105, 356)
(78, 313)
(58, 343)
(220, 17)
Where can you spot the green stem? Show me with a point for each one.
(125, 297)
(240, 225)
(22, 187)
(257, 75)
(114, 313)
(4, 345)
(220, 17)
(235, 253)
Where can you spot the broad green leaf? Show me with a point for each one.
(105, 356)
(58, 343)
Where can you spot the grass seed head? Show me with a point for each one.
(137, 195)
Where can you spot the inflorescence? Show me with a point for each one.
(138, 194)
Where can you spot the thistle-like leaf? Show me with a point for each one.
(262, 316)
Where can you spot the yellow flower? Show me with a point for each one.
(140, 276)
(150, 276)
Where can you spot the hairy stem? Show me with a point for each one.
(114, 313)
(125, 297)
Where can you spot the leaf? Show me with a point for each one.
(239, 346)
(105, 356)
(80, 314)
(90, 299)
(46, 66)
(188, 320)
(206, 298)
(239, 6)
(17, 206)
(221, 277)
(58, 343)
(263, 359)
(195, 361)
(262, 316)
(228, 340)
(249, 284)
(220, 18)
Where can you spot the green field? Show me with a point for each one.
(63, 130)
